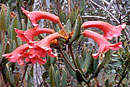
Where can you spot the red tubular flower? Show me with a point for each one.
(17, 54)
(109, 30)
(29, 34)
(34, 56)
(43, 46)
(40, 49)
(102, 42)
(34, 16)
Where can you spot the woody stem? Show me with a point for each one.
(73, 58)
(62, 28)
(66, 60)
(24, 72)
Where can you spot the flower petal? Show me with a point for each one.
(109, 30)
(34, 16)
(18, 54)
(102, 42)
(28, 35)
(51, 54)
(41, 61)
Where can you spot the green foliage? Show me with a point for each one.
(52, 76)
(77, 30)
(2, 19)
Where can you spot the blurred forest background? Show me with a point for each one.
(114, 74)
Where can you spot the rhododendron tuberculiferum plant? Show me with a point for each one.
(39, 49)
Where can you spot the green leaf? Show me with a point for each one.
(57, 78)
(2, 19)
(79, 64)
(14, 25)
(68, 26)
(56, 27)
(52, 76)
(73, 14)
(13, 45)
(68, 67)
(79, 76)
(88, 63)
(3, 45)
(9, 76)
(29, 24)
(62, 16)
(18, 8)
(19, 41)
(64, 77)
(83, 54)
(79, 41)
(105, 61)
(95, 63)
(53, 60)
(77, 30)
(82, 6)
(8, 20)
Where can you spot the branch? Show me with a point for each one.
(66, 60)
(104, 10)
(123, 75)
(73, 58)
(97, 17)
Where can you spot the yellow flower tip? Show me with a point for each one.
(54, 42)
(71, 33)
(63, 35)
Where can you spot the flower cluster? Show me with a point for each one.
(109, 30)
(35, 51)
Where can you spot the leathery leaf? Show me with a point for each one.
(105, 61)
(77, 30)
(2, 19)
(64, 77)
(52, 76)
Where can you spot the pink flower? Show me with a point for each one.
(109, 30)
(41, 49)
(28, 35)
(35, 56)
(102, 42)
(44, 45)
(18, 54)
(34, 16)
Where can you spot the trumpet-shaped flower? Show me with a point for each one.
(28, 35)
(43, 46)
(102, 42)
(18, 54)
(109, 30)
(35, 55)
(34, 16)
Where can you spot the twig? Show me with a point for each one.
(24, 73)
(73, 58)
(58, 7)
(97, 17)
(66, 60)
(105, 11)
(106, 2)
(97, 82)
(127, 36)
(123, 75)
(62, 28)
(69, 6)
(110, 4)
